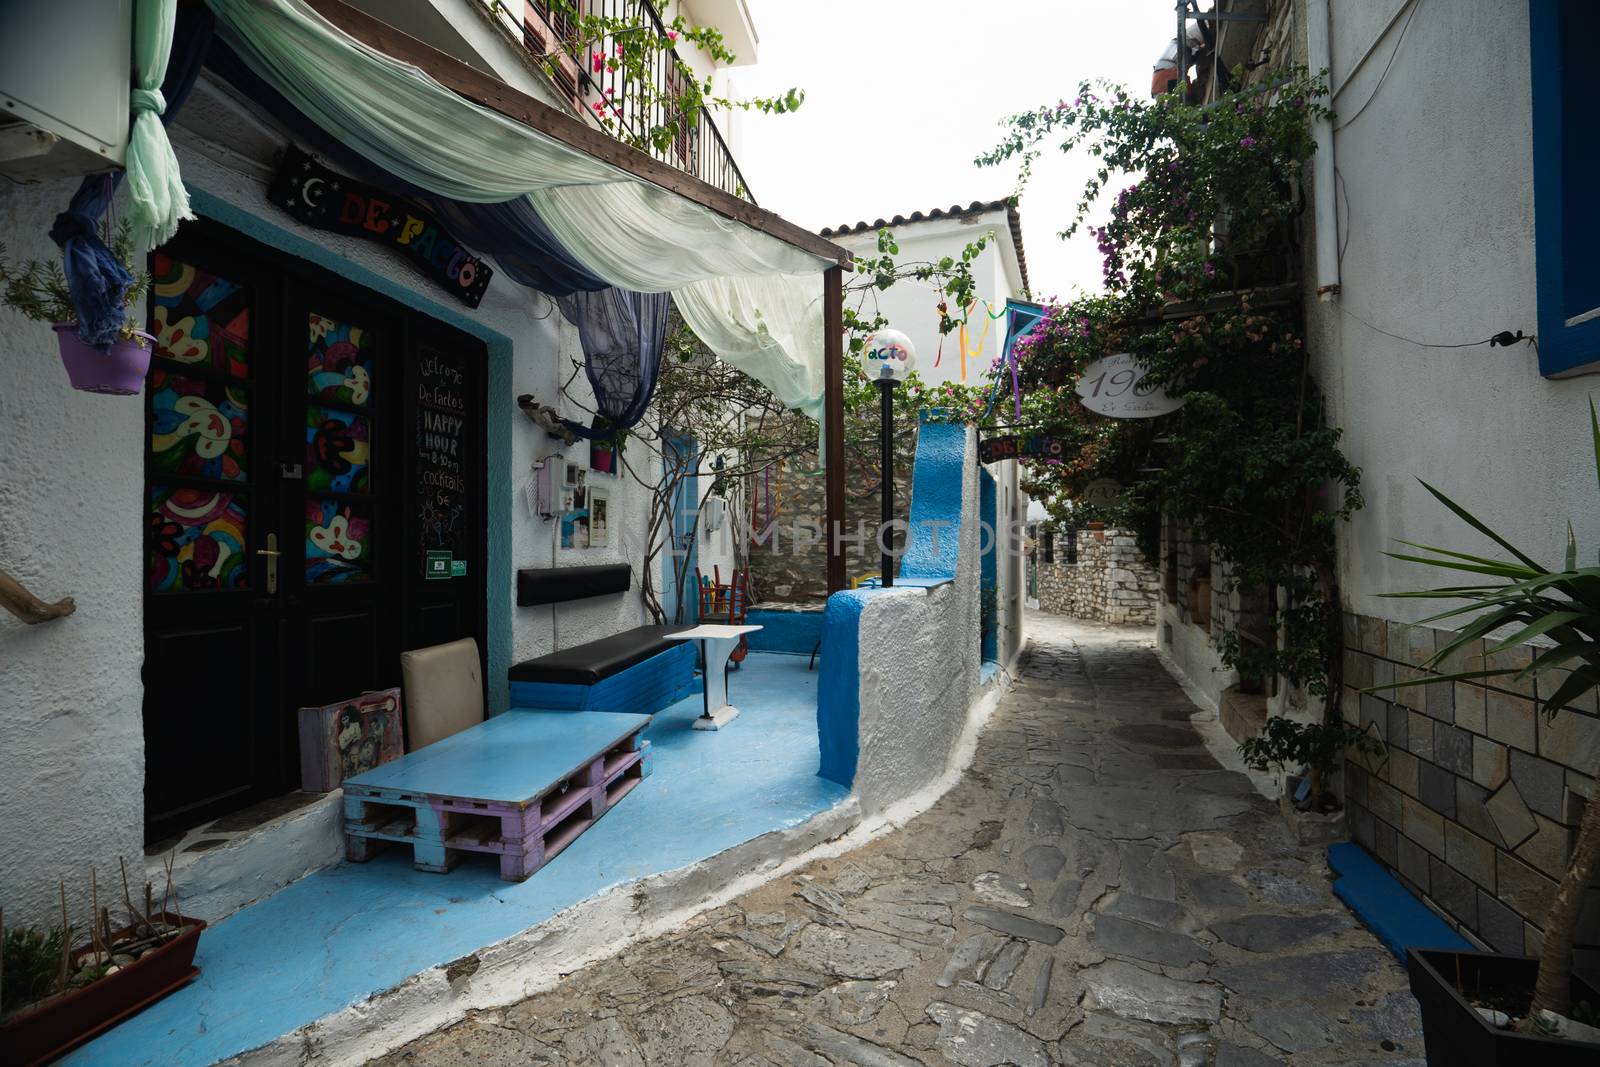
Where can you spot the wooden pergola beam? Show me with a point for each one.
(490, 92)
(833, 423)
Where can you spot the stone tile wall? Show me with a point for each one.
(793, 569)
(1475, 805)
(1109, 582)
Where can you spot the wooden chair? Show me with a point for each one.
(728, 603)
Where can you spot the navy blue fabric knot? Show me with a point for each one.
(98, 282)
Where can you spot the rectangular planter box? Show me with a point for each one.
(1457, 1036)
(38, 1035)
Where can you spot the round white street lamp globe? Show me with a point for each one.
(889, 356)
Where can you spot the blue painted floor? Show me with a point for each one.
(344, 933)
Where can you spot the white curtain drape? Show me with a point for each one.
(754, 300)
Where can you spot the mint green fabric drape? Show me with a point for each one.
(157, 201)
(632, 234)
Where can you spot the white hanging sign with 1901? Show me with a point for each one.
(1119, 388)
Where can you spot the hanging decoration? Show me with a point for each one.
(98, 283)
(623, 335)
(331, 201)
(743, 285)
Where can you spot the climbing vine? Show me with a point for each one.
(627, 51)
(1199, 265)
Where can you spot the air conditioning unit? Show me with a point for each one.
(65, 71)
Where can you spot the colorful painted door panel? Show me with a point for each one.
(309, 443)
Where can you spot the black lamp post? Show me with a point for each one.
(888, 359)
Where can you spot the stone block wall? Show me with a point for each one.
(1109, 582)
(1476, 804)
(791, 566)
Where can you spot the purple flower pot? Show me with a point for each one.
(118, 370)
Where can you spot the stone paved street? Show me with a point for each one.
(1097, 890)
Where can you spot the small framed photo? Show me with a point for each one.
(599, 518)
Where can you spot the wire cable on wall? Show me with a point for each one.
(1384, 76)
(1503, 339)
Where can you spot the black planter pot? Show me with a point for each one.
(1457, 1036)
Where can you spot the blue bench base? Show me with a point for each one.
(643, 689)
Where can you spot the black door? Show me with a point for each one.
(289, 492)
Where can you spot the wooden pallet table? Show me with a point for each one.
(522, 785)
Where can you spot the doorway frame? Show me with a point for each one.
(341, 256)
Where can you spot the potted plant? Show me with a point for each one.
(1308, 805)
(603, 452)
(55, 997)
(1484, 1008)
(39, 291)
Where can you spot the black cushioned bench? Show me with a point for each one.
(638, 670)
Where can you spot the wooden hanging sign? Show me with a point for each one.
(1020, 446)
(330, 201)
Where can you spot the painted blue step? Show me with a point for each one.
(1400, 920)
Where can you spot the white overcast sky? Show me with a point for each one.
(901, 95)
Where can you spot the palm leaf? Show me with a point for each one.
(1578, 682)
(1472, 520)
(1536, 629)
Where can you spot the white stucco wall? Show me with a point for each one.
(1436, 214)
(71, 523)
(71, 480)
(919, 671)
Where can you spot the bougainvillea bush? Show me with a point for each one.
(1199, 274)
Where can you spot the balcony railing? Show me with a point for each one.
(633, 114)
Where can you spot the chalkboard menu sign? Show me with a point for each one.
(443, 433)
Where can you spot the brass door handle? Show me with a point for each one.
(272, 554)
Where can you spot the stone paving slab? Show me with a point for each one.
(1095, 891)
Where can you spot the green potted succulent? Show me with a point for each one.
(62, 987)
(38, 289)
(1487, 1008)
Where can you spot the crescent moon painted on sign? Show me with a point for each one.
(305, 191)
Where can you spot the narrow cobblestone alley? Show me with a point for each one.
(1097, 890)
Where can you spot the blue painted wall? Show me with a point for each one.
(498, 382)
(839, 686)
(785, 631)
(936, 482)
(988, 576)
(1566, 150)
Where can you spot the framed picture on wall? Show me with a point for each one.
(575, 529)
(599, 517)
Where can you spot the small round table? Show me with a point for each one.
(717, 642)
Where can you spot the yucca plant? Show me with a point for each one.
(1561, 610)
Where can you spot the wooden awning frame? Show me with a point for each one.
(488, 91)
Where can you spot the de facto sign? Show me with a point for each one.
(1118, 388)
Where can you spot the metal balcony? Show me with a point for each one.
(613, 100)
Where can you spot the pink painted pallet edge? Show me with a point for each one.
(526, 836)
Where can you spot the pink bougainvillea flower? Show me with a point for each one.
(597, 62)
(1247, 142)
(672, 35)
(611, 92)
(619, 48)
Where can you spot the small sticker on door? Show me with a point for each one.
(437, 565)
(458, 568)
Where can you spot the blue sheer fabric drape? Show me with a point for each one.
(623, 335)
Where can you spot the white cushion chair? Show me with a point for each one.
(443, 689)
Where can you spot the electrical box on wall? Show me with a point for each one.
(713, 512)
(546, 484)
(65, 69)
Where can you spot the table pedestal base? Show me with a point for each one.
(716, 720)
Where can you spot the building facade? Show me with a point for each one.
(1455, 219)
